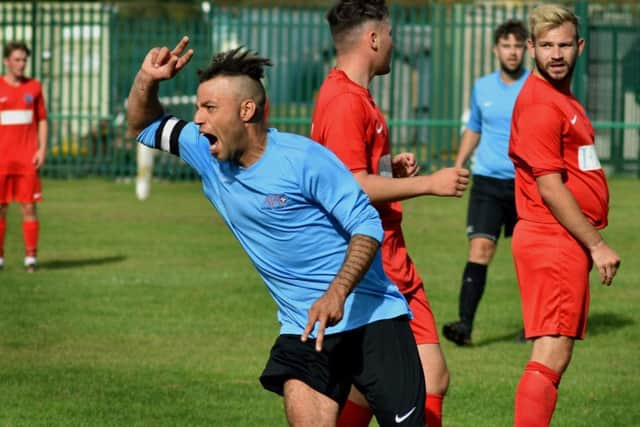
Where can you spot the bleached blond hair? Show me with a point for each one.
(549, 16)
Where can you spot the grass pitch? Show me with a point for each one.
(150, 314)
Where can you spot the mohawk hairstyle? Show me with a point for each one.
(348, 14)
(236, 62)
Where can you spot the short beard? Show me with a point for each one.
(558, 84)
(515, 73)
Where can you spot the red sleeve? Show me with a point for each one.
(344, 130)
(41, 110)
(540, 139)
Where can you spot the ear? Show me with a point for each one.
(531, 48)
(248, 110)
(581, 44)
(373, 39)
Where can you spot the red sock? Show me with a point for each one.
(433, 410)
(30, 235)
(3, 229)
(354, 415)
(536, 396)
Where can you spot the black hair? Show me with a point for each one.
(240, 62)
(235, 62)
(10, 47)
(512, 26)
(348, 14)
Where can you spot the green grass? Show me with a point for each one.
(150, 314)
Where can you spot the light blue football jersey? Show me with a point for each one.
(492, 102)
(294, 212)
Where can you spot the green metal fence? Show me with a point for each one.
(86, 55)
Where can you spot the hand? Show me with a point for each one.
(163, 64)
(404, 165)
(606, 261)
(328, 311)
(38, 158)
(449, 182)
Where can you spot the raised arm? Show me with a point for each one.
(159, 64)
(328, 309)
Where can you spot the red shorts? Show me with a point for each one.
(402, 271)
(423, 324)
(553, 276)
(20, 188)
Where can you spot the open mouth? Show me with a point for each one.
(213, 140)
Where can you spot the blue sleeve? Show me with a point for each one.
(475, 117)
(180, 138)
(329, 183)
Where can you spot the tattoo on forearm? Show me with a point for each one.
(357, 261)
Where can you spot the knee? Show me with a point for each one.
(437, 381)
(555, 353)
(29, 211)
(481, 250)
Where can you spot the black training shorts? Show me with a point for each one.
(380, 359)
(491, 205)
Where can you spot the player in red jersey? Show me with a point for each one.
(562, 201)
(347, 121)
(23, 141)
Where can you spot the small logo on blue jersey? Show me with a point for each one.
(274, 201)
(28, 98)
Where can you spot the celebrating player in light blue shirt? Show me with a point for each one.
(308, 228)
(492, 203)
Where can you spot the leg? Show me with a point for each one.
(537, 390)
(306, 407)
(485, 217)
(437, 380)
(313, 384)
(3, 229)
(481, 251)
(553, 276)
(30, 232)
(144, 163)
(391, 376)
(356, 411)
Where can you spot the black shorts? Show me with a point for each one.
(380, 359)
(491, 205)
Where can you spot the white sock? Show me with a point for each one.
(29, 260)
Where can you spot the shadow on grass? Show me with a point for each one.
(81, 262)
(599, 323)
(513, 337)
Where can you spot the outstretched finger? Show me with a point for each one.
(184, 41)
(307, 330)
(161, 56)
(184, 59)
(320, 335)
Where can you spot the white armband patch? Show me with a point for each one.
(384, 166)
(588, 158)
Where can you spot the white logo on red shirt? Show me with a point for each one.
(574, 119)
(379, 128)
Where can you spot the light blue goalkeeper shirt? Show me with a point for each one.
(294, 212)
(492, 102)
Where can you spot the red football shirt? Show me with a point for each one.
(347, 121)
(550, 132)
(21, 108)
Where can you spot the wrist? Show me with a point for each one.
(596, 245)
